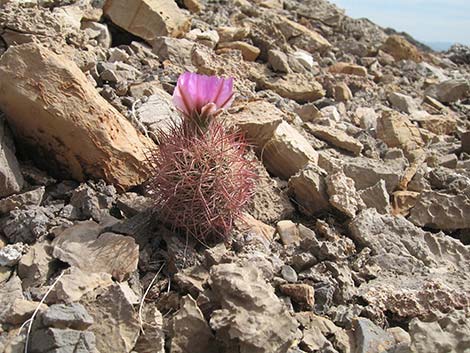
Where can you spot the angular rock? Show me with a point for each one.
(191, 332)
(152, 325)
(438, 124)
(255, 230)
(302, 37)
(247, 305)
(249, 52)
(377, 197)
(336, 137)
(20, 310)
(131, 203)
(402, 102)
(29, 198)
(11, 180)
(73, 316)
(288, 232)
(27, 225)
(11, 254)
(84, 247)
(177, 50)
(148, 19)
(348, 69)
(449, 91)
(289, 274)
(370, 337)
(438, 210)
(287, 152)
(396, 130)
(300, 293)
(278, 61)
(465, 141)
(57, 340)
(342, 93)
(69, 118)
(401, 49)
(309, 189)
(343, 195)
(92, 200)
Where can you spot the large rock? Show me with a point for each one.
(29, 198)
(148, 19)
(401, 49)
(58, 340)
(73, 316)
(84, 247)
(336, 137)
(248, 305)
(73, 130)
(343, 194)
(449, 91)
(402, 102)
(11, 180)
(396, 130)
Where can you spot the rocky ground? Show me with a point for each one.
(357, 239)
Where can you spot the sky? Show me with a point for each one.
(425, 20)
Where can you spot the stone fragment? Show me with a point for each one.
(98, 31)
(11, 180)
(278, 61)
(58, 340)
(343, 195)
(438, 210)
(287, 152)
(309, 189)
(192, 279)
(92, 200)
(11, 254)
(288, 232)
(249, 52)
(449, 91)
(342, 93)
(20, 310)
(68, 120)
(27, 225)
(377, 197)
(10, 291)
(255, 230)
(73, 316)
(348, 69)
(396, 130)
(131, 203)
(336, 137)
(403, 201)
(301, 88)
(370, 337)
(247, 308)
(402, 102)
(231, 34)
(300, 293)
(304, 58)
(29, 198)
(177, 50)
(115, 330)
(148, 19)
(152, 325)
(308, 112)
(191, 332)
(402, 339)
(302, 37)
(289, 274)
(438, 124)
(401, 49)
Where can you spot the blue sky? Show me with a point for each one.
(426, 20)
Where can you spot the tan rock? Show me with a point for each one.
(302, 37)
(343, 195)
(401, 49)
(259, 231)
(288, 232)
(36, 265)
(21, 310)
(396, 130)
(336, 137)
(287, 152)
(300, 293)
(249, 52)
(348, 69)
(148, 19)
(437, 124)
(342, 93)
(74, 131)
(231, 34)
(29, 198)
(403, 202)
(194, 6)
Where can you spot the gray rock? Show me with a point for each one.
(402, 102)
(29, 198)
(37, 265)
(289, 274)
(92, 200)
(27, 225)
(370, 337)
(11, 180)
(343, 195)
(62, 341)
(131, 203)
(278, 61)
(377, 197)
(449, 91)
(173, 49)
(248, 305)
(73, 316)
(11, 254)
(152, 338)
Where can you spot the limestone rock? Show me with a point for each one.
(342, 93)
(152, 324)
(248, 305)
(249, 52)
(148, 19)
(191, 332)
(84, 247)
(438, 124)
(376, 197)
(70, 117)
(343, 195)
(288, 232)
(449, 91)
(278, 61)
(309, 189)
(438, 210)
(287, 152)
(29, 198)
(20, 310)
(396, 130)
(402, 102)
(336, 137)
(401, 49)
(73, 316)
(302, 37)
(11, 180)
(348, 69)
(176, 50)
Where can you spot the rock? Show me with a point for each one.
(115, 330)
(278, 61)
(148, 19)
(302, 294)
(396, 130)
(348, 69)
(20, 310)
(336, 137)
(288, 232)
(11, 254)
(74, 284)
(191, 332)
(231, 34)
(343, 195)
(249, 52)
(300, 88)
(83, 246)
(27, 225)
(438, 210)
(342, 93)
(92, 200)
(401, 49)
(194, 6)
(29, 198)
(10, 291)
(403, 202)
(63, 316)
(449, 333)
(459, 54)
(309, 189)
(11, 180)
(255, 230)
(308, 112)
(192, 279)
(287, 152)
(98, 31)
(131, 203)
(289, 274)
(376, 197)
(303, 58)
(438, 124)
(370, 337)
(57, 340)
(402, 339)
(177, 50)
(302, 37)
(71, 146)
(449, 91)
(402, 102)
(152, 325)
(465, 141)
(247, 306)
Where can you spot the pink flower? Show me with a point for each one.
(201, 96)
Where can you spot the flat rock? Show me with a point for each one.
(376, 197)
(402, 102)
(11, 180)
(438, 124)
(64, 146)
(336, 137)
(84, 247)
(302, 37)
(148, 19)
(449, 91)
(247, 308)
(348, 69)
(73, 316)
(29, 198)
(249, 52)
(396, 130)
